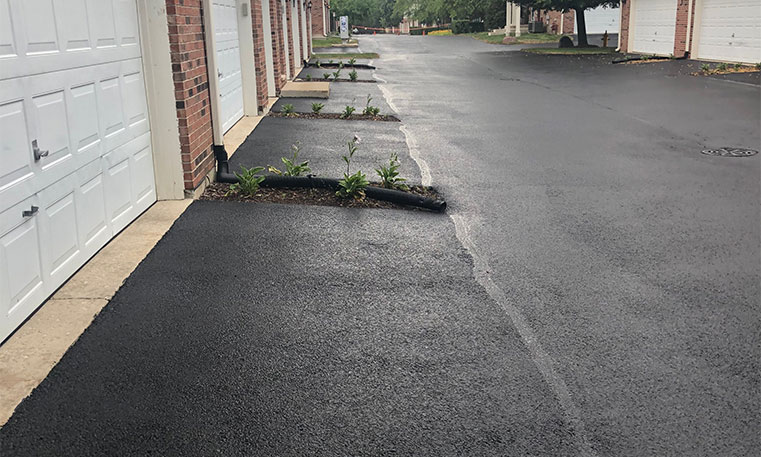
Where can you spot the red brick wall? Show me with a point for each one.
(569, 19)
(623, 34)
(191, 88)
(260, 65)
(318, 26)
(289, 36)
(682, 19)
(278, 54)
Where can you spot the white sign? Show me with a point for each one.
(344, 27)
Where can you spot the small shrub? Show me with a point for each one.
(340, 64)
(347, 112)
(326, 76)
(722, 67)
(758, 66)
(389, 174)
(289, 110)
(248, 181)
(317, 63)
(352, 185)
(330, 62)
(292, 167)
(705, 68)
(308, 77)
(317, 107)
(353, 75)
(466, 26)
(352, 61)
(370, 110)
(336, 74)
(738, 66)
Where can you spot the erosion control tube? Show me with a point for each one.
(313, 182)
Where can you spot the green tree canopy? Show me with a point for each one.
(578, 6)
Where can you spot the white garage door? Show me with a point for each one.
(654, 26)
(730, 30)
(75, 151)
(227, 44)
(600, 20)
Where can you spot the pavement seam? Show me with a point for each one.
(539, 356)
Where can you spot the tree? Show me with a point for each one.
(578, 6)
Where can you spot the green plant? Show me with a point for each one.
(370, 110)
(646, 57)
(352, 185)
(336, 74)
(722, 67)
(289, 110)
(348, 111)
(308, 77)
(758, 66)
(326, 75)
(352, 61)
(317, 107)
(353, 75)
(292, 167)
(330, 62)
(248, 181)
(389, 174)
(340, 64)
(317, 63)
(738, 66)
(705, 68)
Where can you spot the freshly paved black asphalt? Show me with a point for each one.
(323, 142)
(284, 330)
(633, 257)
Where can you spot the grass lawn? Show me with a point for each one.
(324, 42)
(526, 38)
(570, 51)
(347, 56)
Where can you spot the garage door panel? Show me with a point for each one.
(57, 221)
(83, 113)
(7, 41)
(21, 284)
(126, 27)
(654, 26)
(730, 30)
(39, 26)
(93, 230)
(71, 22)
(15, 152)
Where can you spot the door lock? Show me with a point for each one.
(38, 153)
(30, 212)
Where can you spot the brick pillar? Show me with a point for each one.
(191, 89)
(680, 31)
(260, 65)
(302, 38)
(623, 33)
(278, 55)
(309, 30)
(317, 27)
(289, 36)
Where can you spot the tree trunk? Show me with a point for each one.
(581, 27)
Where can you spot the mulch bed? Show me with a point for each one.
(337, 80)
(314, 197)
(353, 117)
(728, 71)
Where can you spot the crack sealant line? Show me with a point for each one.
(540, 357)
(425, 171)
(542, 360)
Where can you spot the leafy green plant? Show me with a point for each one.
(317, 63)
(370, 110)
(248, 181)
(330, 62)
(353, 75)
(326, 76)
(352, 61)
(722, 67)
(758, 66)
(292, 167)
(308, 77)
(289, 110)
(317, 107)
(352, 185)
(340, 64)
(347, 112)
(336, 74)
(738, 66)
(705, 68)
(389, 174)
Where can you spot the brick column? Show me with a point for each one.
(191, 88)
(278, 55)
(289, 36)
(623, 33)
(317, 25)
(302, 38)
(680, 31)
(260, 65)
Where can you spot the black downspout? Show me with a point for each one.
(223, 167)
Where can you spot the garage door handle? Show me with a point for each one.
(38, 154)
(30, 212)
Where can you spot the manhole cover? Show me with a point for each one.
(730, 152)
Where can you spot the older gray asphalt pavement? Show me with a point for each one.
(632, 257)
(593, 291)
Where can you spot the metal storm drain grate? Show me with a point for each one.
(730, 152)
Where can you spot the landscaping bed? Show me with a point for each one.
(347, 55)
(352, 117)
(570, 51)
(726, 69)
(307, 196)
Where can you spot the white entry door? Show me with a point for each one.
(654, 26)
(75, 153)
(227, 42)
(730, 30)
